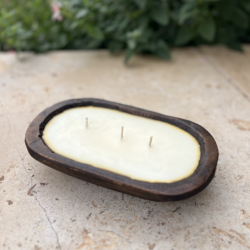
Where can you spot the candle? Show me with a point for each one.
(139, 148)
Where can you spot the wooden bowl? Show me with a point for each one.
(151, 191)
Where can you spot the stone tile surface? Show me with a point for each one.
(44, 209)
(234, 66)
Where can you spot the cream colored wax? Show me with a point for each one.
(173, 155)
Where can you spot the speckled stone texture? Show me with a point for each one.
(44, 209)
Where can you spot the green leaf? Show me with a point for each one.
(74, 3)
(144, 22)
(62, 39)
(149, 46)
(246, 5)
(131, 44)
(162, 50)
(81, 13)
(235, 45)
(114, 46)
(95, 32)
(44, 47)
(72, 26)
(207, 29)
(129, 54)
(225, 10)
(92, 44)
(183, 36)
(187, 11)
(141, 4)
(185, 16)
(159, 15)
(240, 18)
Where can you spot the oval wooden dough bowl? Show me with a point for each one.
(151, 191)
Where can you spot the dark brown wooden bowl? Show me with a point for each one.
(151, 191)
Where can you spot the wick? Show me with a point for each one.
(87, 124)
(122, 132)
(150, 141)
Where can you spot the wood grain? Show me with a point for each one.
(151, 191)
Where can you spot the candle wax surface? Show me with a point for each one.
(173, 156)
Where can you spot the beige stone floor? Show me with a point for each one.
(41, 208)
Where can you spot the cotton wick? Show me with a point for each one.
(122, 132)
(150, 141)
(87, 123)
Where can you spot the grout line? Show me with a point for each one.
(223, 73)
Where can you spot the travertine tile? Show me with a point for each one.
(44, 209)
(233, 65)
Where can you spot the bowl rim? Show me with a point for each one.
(178, 190)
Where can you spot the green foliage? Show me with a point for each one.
(137, 26)
(27, 25)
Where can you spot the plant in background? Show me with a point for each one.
(137, 26)
(28, 25)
